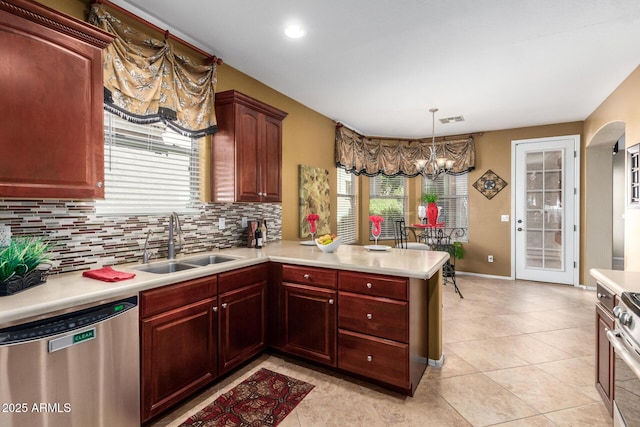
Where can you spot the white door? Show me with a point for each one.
(546, 215)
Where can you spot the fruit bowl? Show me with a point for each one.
(331, 246)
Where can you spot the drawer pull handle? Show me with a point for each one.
(369, 358)
(605, 296)
(369, 316)
(215, 309)
(224, 305)
(369, 285)
(306, 276)
(331, 301)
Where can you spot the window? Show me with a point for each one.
(453, 199)
(633, 160)
(149, 168)
(347, 208)
(387, 198)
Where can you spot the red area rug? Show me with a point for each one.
(263, 399)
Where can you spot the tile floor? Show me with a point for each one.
(516, 354)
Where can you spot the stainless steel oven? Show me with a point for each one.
(625, 340)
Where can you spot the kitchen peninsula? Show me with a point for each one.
(386, 305)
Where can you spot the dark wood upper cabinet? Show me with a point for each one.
(51, 119)
(246, 152)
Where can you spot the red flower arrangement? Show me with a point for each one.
(376, 220)
(311, 219)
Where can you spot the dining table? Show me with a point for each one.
(435, 235)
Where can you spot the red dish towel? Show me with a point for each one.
(108, 274)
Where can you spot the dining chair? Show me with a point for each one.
(401, 238)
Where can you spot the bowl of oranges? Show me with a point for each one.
(328, 242)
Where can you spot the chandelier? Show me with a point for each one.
(435, 164)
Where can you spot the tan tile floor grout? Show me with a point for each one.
(516, 354)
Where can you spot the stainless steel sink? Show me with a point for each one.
(207, 260)
(165, 267)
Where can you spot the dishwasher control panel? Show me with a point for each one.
(65, 322)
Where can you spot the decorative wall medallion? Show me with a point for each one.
(489, 184)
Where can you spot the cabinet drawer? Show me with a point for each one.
(309, 276)
(376, 358)
(605, 297)
(242, 277)
(382, 317)
(168, 297)
(367, 284)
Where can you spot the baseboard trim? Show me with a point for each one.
(436, 363)
(485, 276)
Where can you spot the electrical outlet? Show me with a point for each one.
(221, 224)
(490, 258)
(243, 221)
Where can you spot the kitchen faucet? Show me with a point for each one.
(174, 224)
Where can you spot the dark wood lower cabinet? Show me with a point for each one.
(605, 356)
(242, 330)
(369, 325)
(178, 355)
(309, 319)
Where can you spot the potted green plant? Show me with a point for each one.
(457, 250)
(432, 210)
(20, 262)
(430, 197)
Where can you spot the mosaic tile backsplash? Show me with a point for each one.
(82, 240)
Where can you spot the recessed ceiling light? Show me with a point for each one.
(294, 31)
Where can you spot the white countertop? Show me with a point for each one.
(72, 290)
(616, 280)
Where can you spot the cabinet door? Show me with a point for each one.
(178, 355)
(605, 357)
(242, 328)
(248, 155)
(309, 319)
(271, 180)
(51, 84)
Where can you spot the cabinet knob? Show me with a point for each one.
(99, 184)
(215, 309)
(600, 296)
(331, 301)
(369, 285)
(224, 305)
(307, 276)
(369, 358)
(369, 316)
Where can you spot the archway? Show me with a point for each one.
(598, 208)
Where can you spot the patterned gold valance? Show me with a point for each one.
(146, 81)
(362, 155)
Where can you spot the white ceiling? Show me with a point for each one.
(379, 65)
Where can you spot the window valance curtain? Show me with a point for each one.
(146, 81)
(362, 155)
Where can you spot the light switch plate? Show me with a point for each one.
(221, 223)
(505, 218)
(5, 235)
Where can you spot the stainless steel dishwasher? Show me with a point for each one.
(76, 368)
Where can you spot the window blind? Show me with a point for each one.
(453, 199)
(347, 208)
(149, 169)
(387, 198)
